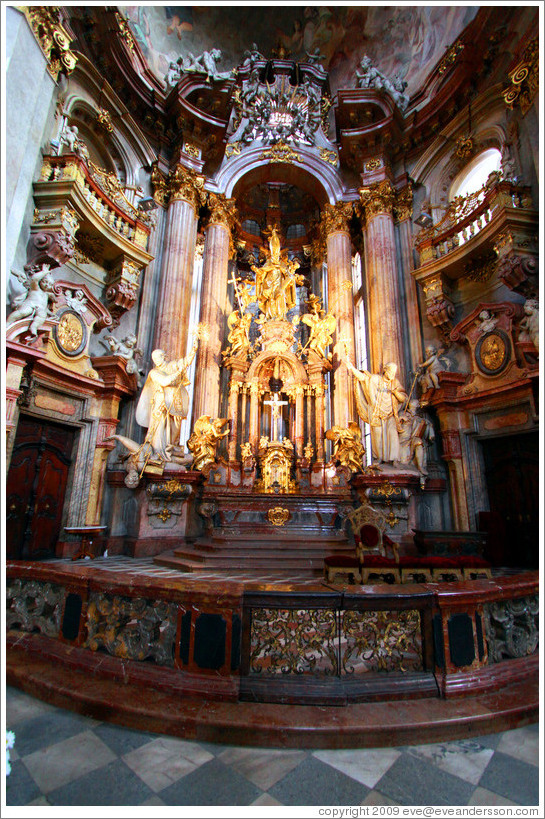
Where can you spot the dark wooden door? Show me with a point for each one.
(512, 479)
(36, 487)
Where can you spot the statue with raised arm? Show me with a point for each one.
(239, 334)
(276, 281)
(428, 370)
(163, 402)
(529, 325)
(34, 303)
(378, 399)
(322, 326)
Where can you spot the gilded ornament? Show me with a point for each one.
(164, 514)
(492, 352)
(185, 184)
(329, 156)
(373, 165)
(524, 79)
(104, 120)
(450, 57)
(278, 516)
(335, 217)
(222, 210)
(125, 32)
(391, 519)
(232, 150)
(281, 153)
(403, 207)
(192, 150)
(70, 333)
(293, 641)
(45, 22)
(378, 198)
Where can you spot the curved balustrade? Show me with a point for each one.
(101, 192)
(468, 216)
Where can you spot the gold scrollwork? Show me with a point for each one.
(278, 516)
(329, 156)
(450, 57)
(285, 641)
(524, 79)
(281, 153)
(381, 641)
(45, 22)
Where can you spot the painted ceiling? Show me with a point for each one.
(401, 40)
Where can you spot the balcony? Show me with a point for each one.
(471, 227)
(74, 196)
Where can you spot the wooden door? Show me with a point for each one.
(36, 488)
(512, 479)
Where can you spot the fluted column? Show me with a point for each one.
(341, 304)
(319, 412)
(299, 420)
(384, 316)
(403, 212)
(185, 189)
(217, 245)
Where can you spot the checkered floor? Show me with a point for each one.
(62, 758)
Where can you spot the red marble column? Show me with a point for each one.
(206, 400)
(384, 315)
(403, 214)
(341, 304)
(172, 328)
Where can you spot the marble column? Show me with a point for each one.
(206, 399)
(403, 212)
(341, 304)
(384, 315)
(186, 193)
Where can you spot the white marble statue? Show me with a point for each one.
(34, 303)
(429, 369)
(127, 349)
(529, 325)
(378, 399)
(416, 435)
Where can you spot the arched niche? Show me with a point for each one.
(291, 369)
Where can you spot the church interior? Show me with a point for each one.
(272, 369)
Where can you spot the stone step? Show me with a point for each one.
(313, 566)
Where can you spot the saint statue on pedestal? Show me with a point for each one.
(276, 281)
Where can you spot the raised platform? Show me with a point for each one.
(255, 659)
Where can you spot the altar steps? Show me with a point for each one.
(263, 556)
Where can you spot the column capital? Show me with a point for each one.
(403, 205)
(377, 198)
(335, 217)
(186, 185)
(222, 210)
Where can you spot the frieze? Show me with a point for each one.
(132, 628)
(32, 605)
(512, 628)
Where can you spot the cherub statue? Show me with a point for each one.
(529, 324)
(308, 451)
(76, 301)
(347, 446)
(173, 74)
(369, 76)
(239, 334)
(204, 439)
(207, 63)
(39, 284)
(246, 451)
(428, 370)
(321, 326)
(314, 57)
(127, 349)
(488, 321)
(251, 56)
(69, 137)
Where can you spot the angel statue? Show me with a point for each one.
(204, 439)
(127, 349)
(239, 334)
(34, 302)
(322, 326)
(347, 446)
(428, 370)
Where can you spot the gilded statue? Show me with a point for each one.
(322, 326)
(34, 302)
(204, 439)
(378, 399)
(239, 334)
(348, 448)
(276, 281)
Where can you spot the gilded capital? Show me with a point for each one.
(403, 206)
(377, 198)
(335, 217)
(187, 185)
(52, 37)
(222, 210)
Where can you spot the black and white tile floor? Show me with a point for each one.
(62, 758)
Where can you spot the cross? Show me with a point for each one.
(234, 281)
(275, 403)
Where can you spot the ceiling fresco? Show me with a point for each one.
(401, 40)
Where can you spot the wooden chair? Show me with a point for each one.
(377, 553)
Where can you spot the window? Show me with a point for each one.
(475, 174)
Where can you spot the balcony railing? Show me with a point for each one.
(103, 193)
(467, 216)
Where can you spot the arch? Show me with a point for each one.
(299, 374)
(308, 172)
(474, 175)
